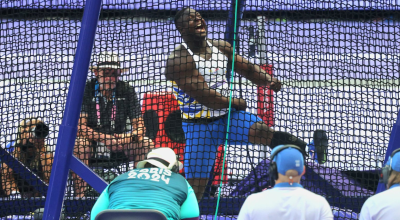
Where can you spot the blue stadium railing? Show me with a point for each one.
(24, 172)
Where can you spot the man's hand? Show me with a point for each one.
(112, 143)
(126, 138)
(276, 85)
(239, 104)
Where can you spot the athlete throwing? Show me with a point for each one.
(197, 69)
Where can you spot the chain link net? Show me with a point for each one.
(338, 62)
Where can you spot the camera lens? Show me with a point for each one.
(41, 130)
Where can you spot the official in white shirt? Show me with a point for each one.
(385, 205)
(287, 200)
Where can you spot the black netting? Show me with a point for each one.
(337, 61)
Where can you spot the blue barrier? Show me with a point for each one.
(24, 172)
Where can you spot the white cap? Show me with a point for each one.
(109, 60)
(162, 157)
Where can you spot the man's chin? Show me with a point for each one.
(200, 36)
(108, 87)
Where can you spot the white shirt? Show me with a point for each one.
(214, 74)
(384, 205)
(286, 202)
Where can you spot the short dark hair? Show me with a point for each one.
(149, 165)
(396, 178)
(178, 15)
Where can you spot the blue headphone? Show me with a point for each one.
(387, 169)
(273, 169)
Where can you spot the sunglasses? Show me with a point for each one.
(111, 72)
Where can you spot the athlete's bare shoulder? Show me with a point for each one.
(179, 63)
(179, 51)
(221, 44)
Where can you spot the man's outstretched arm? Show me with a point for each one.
(181, 69)
(251, 71)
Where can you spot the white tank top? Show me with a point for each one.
(214, 73)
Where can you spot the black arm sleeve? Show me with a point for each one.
(133, 103)
(87, 99)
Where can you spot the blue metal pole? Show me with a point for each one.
(230, 26)
(394, 143)
(69, 125)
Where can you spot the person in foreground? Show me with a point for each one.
(197, 70)
(154, 184)
(287, 199)
(385, 205)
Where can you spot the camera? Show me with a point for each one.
(41, 130)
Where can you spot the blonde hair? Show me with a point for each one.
(293, 173)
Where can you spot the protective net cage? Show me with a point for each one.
(337, 61)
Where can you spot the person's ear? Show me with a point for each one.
(304, 171)
(180, 26)
(180, 29)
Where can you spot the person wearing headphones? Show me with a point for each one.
(385, 205)
(154, 184)
(287, 199)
